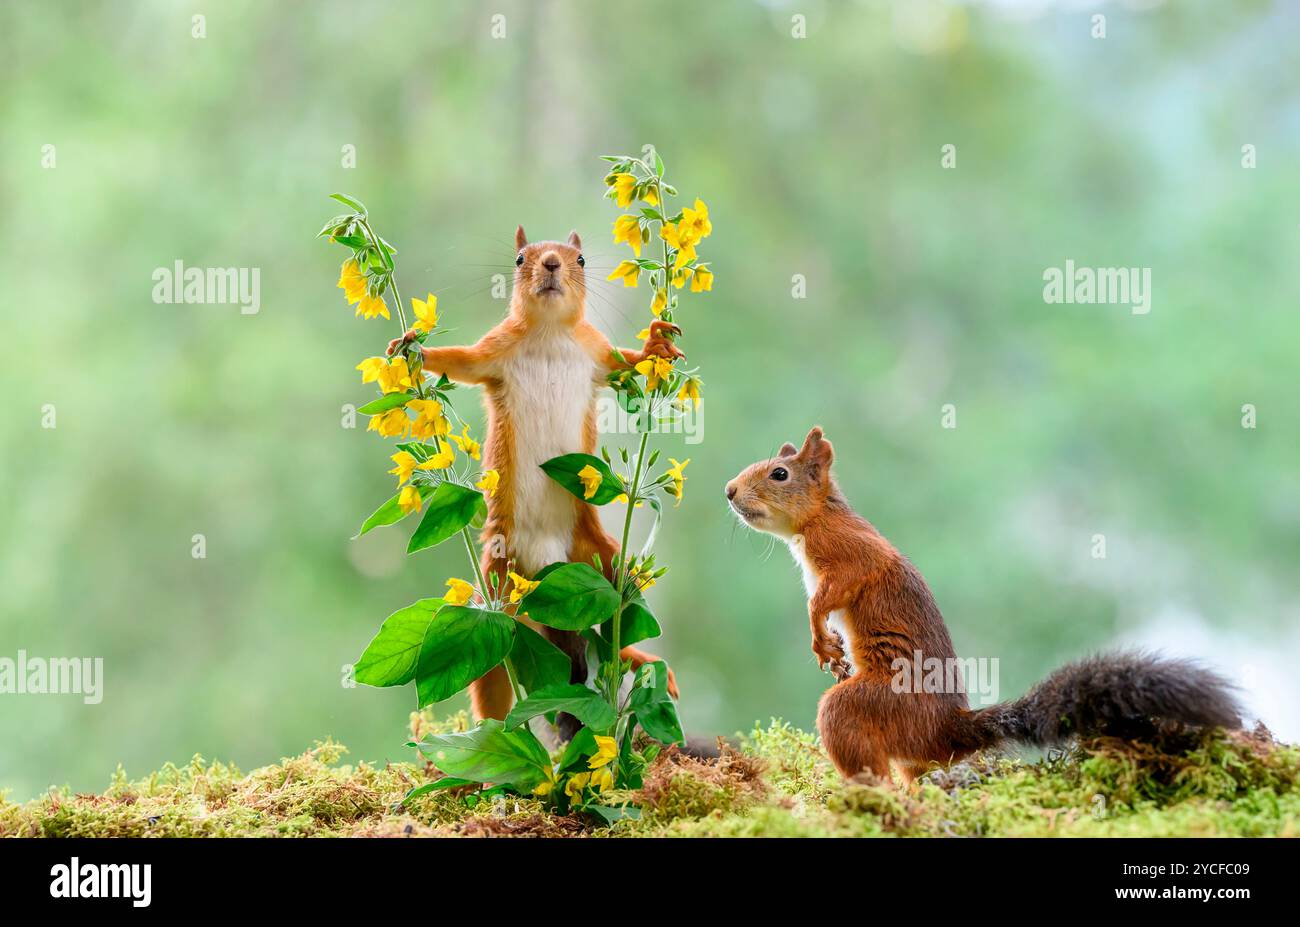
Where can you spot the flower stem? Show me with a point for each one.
(392, 275)
(483, 587)
(621, 574)
(473, 560)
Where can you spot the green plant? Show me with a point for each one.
(442, 644)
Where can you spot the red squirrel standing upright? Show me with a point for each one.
(541, 368)
(870, 608)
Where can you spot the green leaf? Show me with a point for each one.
(659, 165)
(564, 470)
(460, 645)
(610, 815)
(654, 707)
(420, 452)
(572, 597)
(538, 662)
(660, 721)
(604, 652)
(575, 754)
(638, 624)
(349, 201)
(452, 507)
(489, 753)
(446, 782)
(391, 656)
(386, 402)
(585, 704)
(390, 512)
(329, 227)
(632, 398)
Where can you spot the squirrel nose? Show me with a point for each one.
(551, 261)
(731, 492)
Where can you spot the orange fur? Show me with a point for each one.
(548, 297)
(886, 607)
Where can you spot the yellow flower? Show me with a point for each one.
(521, 586)
(371, 306)
(642, 579)
(624, 188)
(391, 424)
(467, 444)
(627, 271)
(458, 592)
(352, 282)
(660, 301)
(695, 222)
(677, 238)
(429, 422)
(606, 750)
(679, 278)
(654, 369)
(603, 779)
(702, 279)
(405, 466)
(679, 478)
(690, 391)
(443, 459)
(575, 784)
(544, 788)
(426, 313)
(409, 500)
(643, 334)
(622, 497)
(394, 375)
(488, 482)
(651, 194)
(628, 229)
(370, 368)
(591, 480)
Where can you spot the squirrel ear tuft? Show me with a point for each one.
(574, 240)
(787, 450)
(520, 238)
(814, 438)
(817, 454)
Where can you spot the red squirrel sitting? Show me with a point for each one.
(541, 368)
(870, 607)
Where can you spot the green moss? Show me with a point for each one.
(777, 784)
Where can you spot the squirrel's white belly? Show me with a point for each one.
(550, 389)
(835, 622)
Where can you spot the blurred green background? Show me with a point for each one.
(818, 156)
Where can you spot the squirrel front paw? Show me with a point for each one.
(828, 651)
(659, 344)
(401, 342)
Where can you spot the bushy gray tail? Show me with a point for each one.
(1126, 694)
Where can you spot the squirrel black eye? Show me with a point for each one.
(519, 261)
(780, 474)
(582, 261)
